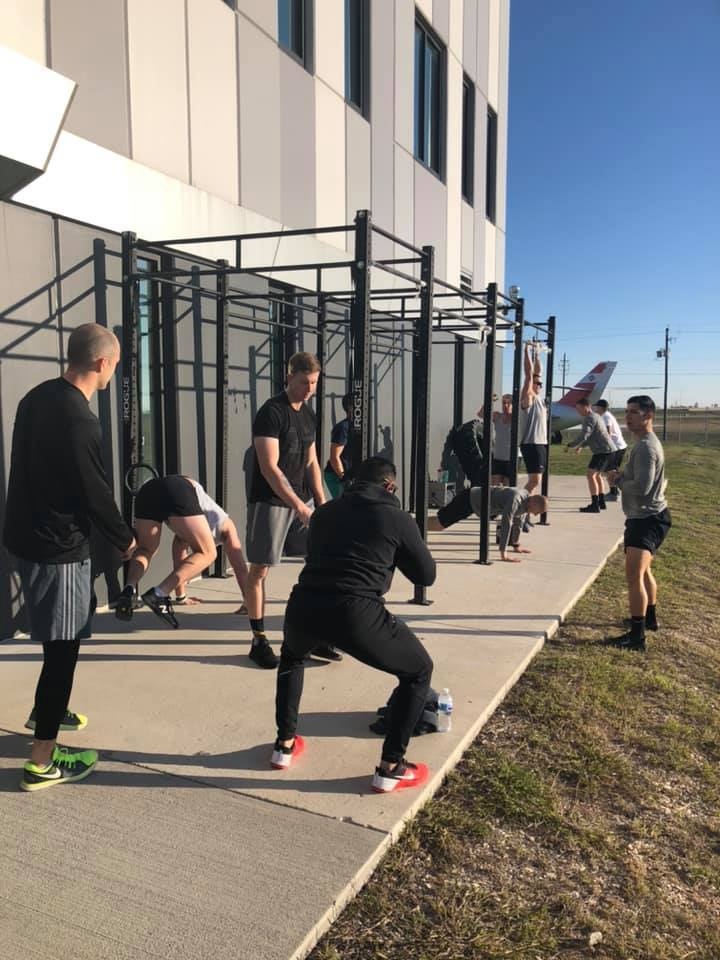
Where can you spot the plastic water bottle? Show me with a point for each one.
(445, 707)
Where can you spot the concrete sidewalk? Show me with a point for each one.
(184, 844)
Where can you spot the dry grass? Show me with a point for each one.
(589, 803)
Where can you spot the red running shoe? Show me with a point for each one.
(404, 775)
(283, 757)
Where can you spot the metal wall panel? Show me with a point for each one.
(260, 141)
(88, 43)
(157, 62)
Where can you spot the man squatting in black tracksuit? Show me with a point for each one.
(354, 544)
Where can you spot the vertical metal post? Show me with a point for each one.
(320, 354)
(459, 393)
(100, 284)
(360, 338)
(518, 347)
(221, 397)
(168, 325)
(548, 401)
(665, 391)
(487, 424)
(199, 374)
(422, 393)
(129, 397)
(104, 396)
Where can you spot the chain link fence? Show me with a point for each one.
(699, 427)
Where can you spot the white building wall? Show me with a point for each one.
(204, 95)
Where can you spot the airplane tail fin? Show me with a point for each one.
(591, 385)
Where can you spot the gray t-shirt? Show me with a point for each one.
(501, 450)
(642, 482)
(593, 434)
(535, 422)
(510, 504)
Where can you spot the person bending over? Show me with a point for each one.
(509, 503)
(617, 439)
(225, 535)
(354, 545)
(172, 500)
(593, 434)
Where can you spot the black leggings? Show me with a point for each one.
(458, 509)
(364, 629)
(54, 686)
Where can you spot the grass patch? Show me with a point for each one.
(590, 802)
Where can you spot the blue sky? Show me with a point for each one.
(613, 220)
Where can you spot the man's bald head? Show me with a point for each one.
(90, 343)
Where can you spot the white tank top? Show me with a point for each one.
(214, 513)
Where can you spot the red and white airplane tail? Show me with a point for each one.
(591, 385)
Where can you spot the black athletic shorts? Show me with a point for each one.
(647, 533)
(600, 461)
(616, 459)
(534, 457)
(501, 467)
(165, 497)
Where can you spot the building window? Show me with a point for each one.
(429, 90)
(357, 54)
(491, 166)
(295, 18)
(468, 141)
(466, 282)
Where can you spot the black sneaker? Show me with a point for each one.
(125, 604)
(70, 722)
(161, 606)
(66, 767)
(626, 642)
(590, 508)
(262, 654)
(326, 652)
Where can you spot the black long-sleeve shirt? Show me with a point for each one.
(57, 485)
(356, 541)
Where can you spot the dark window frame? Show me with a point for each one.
(422, 151)
(304, 21)
(491, 166)
(362, 103)
(467, 175)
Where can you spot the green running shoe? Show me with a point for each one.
(70, 722)
(66, 767)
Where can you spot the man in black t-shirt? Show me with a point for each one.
(286, 479)
(57, 489)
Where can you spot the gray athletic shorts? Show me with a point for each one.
(57, 599)
(267, 528)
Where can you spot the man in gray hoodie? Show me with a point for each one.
(642, 487)
(593, 434)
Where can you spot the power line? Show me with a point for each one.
(637, 333)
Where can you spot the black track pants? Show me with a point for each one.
(364, 629)
(54, 687)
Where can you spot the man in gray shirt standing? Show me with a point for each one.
(642, 487)
(593, 434)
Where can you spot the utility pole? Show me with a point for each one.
(666, 354)
(564, 366)
(665, 397)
